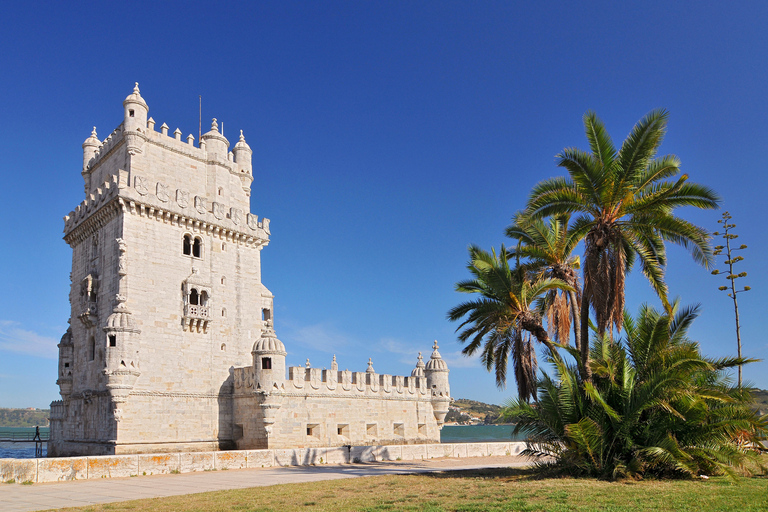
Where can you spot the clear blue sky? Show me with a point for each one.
(387, 137)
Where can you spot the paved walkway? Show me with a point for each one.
(80, 493)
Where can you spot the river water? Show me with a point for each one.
(477, 433)
(449, 434)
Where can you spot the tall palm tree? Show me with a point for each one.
(625, 204)
(502, 317)
(548, 247)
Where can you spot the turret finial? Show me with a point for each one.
(136, 88)
(370, 366)
(93, 133)
(421, 358)
(214, 125)
(242, 137)
(434, 345)
(307, 362)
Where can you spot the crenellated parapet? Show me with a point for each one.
(308, 381)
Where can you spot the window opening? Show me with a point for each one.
(370, 429)
(193, 297)
(313, 430)
(92, 349)
(266, 315)
(266, 363)
(203, 298)
(197, 248)
(187, 245)
(130, 113)
(112, 340)
(399, 430)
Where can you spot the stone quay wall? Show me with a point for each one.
(116, 466)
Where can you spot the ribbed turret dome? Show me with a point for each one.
(93, 140)
(135, 97)
(436, 362)
(419, 370)
(241, 144)
(214, 134)
(269, 344)
(121, 319)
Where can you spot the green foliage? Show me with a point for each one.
(655, 406)
(24, 417)
(502, 320)
(624, 202)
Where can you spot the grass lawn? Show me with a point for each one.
(491, 489)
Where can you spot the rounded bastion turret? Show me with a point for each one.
(436, 371)
(268, 361)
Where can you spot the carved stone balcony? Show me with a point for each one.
(196, 317)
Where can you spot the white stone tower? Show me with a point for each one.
(166, 294)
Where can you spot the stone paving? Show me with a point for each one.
(18, 498)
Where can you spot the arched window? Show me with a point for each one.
(187, 245)
(203, 298)
(197, 247)
(193, 297)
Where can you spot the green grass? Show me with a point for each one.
(470, 491)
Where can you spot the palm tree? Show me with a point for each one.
(502, 317)
(656, 406)
(549, 247)
(625, 206)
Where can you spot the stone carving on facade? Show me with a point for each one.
(253, 221)
(201, 204)
(182, 198)
(163, 192)
(236, 215)
(141, 184)
(218, 210)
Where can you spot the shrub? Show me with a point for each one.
(656, 406)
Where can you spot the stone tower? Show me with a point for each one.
(166, 293)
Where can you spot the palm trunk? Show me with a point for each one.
(576, 320)
(584, 368)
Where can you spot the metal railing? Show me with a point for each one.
(22, 436)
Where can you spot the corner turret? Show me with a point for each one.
(268, 361)
(436, 371)
(136, 111)
(135, 121)
(242, 154)
(216, 145)
(90, 146)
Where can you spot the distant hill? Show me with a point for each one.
(24, 417)
(462, 410)
(761, 400)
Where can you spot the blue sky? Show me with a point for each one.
(387, 137)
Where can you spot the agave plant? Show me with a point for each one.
(655, 406)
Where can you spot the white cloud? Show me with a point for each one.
(322, 337)
(15, 339)
(409, 351)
